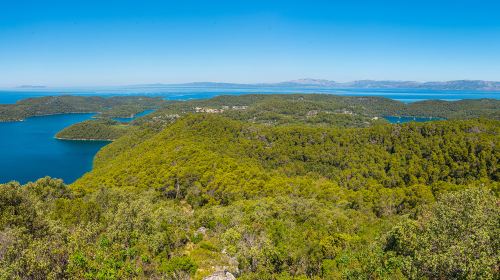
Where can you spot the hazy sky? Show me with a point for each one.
(106, 42)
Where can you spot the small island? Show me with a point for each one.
(94, 130)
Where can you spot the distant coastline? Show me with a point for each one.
(46, 115)
(454, 85)
(475, 85)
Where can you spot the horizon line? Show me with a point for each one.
(293, 81)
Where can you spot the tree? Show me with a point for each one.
(457, 238)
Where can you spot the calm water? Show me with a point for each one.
(29, 151)
(393, 119)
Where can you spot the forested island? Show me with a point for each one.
(270, 187)
(119, 106)
(100, 129)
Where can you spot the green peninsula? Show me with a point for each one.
(322, 109)
(100, 129)
(118, 106)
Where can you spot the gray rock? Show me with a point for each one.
(202, 230)
(221, 275)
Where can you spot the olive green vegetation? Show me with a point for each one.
(100, 129)
(324, 109)
(122, 106)
(357, 158)
(455, 238)
(183, 195)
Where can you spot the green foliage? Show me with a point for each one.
(203, 157)
(15, 209)
(457, 238)
(461, 109)
(180, 267)
(322, 109)
(106, 235)
(101, 129)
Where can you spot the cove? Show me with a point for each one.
(394, 119)
(28, 149)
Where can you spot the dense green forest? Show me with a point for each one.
(100, 129)
(314, 109)
(119, 106)
(270, 187)
(322, 109)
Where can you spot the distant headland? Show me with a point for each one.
(310, 84)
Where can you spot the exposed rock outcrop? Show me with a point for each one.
(221, 275)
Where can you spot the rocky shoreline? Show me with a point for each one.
(83, 139)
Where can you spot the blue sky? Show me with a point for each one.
(107, 42)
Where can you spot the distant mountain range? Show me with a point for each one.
(318, 83)
(475, 85)
(31, 86)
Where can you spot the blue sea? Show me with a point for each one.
(29, 151)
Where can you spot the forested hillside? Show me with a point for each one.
(100, 129)
(387, 156)
(322, 109)
(251, 185)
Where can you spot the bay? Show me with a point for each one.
(28, 149)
